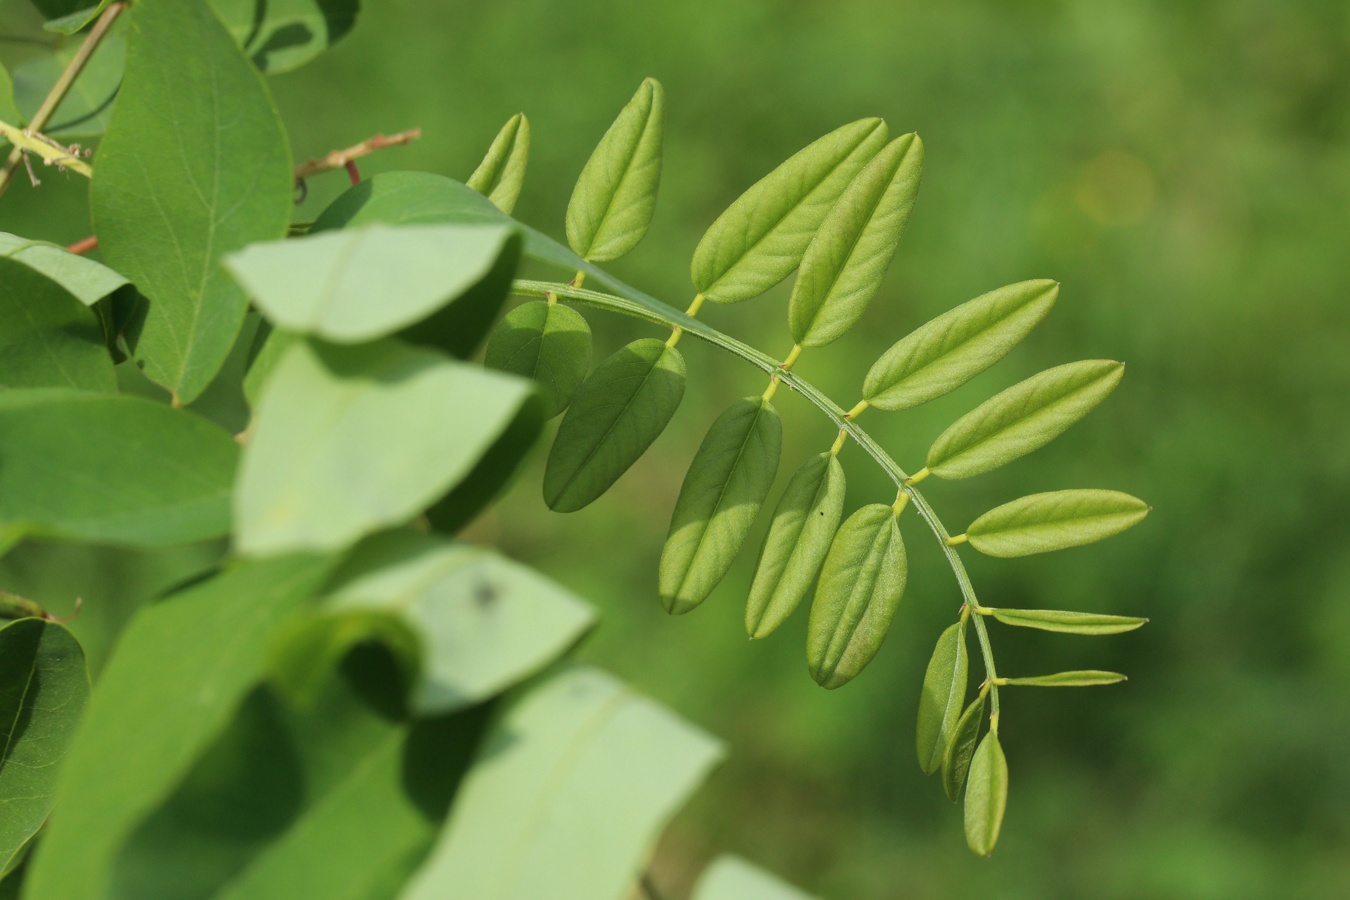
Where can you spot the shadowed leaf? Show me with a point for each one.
(942, 697)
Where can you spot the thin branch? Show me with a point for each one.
(26, 140)
(79, 248)
(340, 159)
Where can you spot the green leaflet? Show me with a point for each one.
(48, 338)
(1025, 417)
(228, 184)
(944, 354)
(501, 174)
(732, 878)
(88, 281)
(761, 237)
(986, 795)
(860, 588)
(567, 796)
(1068, 622)
(847, 259)
(43, 690)
(956, 757)
(615, 415)
(364, 283)
(87, 108)
(804, 524)
(1055, 520)
(725, 486)
(140, 474)
(351, 439)
(281, 35)
(944, 693)
(1081, 678)
(615, 196)
(547, 342)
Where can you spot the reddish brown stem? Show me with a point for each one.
(82, 247)
(341, 159)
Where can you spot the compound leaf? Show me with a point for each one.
(1039, 523)
(732, 878)
(961, 747)
(501, 174)
(944, 693)
(986, 795)
(944, 354)
(1068, 622)
(48, 338)
(547, 342)
(1080, 678)
(725, 487)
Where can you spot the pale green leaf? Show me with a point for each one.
(847, 259)
(352, 439)
(1039, 523)
(725, 487)
(87, 280)
(956, 757)
(732, 878)
(43, 690)
(48, 338)
(1024, 418)
(986, 796)
(269, 346)
(1081, 678)
(547, 342)
(1068, 622)
(615, 415)
(804, 524)
(281, 35)
(221, 180)
(87, 108)
(501, 174)
(613, 201)
(861, 584)
(942, 697)
(944, 354)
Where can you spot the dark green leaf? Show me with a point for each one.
(84, 12)
(847, 259)
(495, 470)
(732, 878)
(613, 201)
(502, 172)
(1068, 622)
(727, 482)
(1055, 520)
(956, 757)
(226, 184)
(950, 350)
(547, 342)
(87, 107)
(48, 338)
(761, 237)
(87, 280)
(861, 584)
(986, 795)
(944, 694)
(1025, 417)
(804, 524)
(281, 35)
(9, 112)
(615, 415)
(1081, 678)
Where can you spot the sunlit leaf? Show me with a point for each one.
(502, 172)
(87, 280)
(1081, 678)
(1040, 523)
(1068, 622)
(956, 757)
(48, 338)
(547, 342)
(986, 795)
(942, 697)
(732, 878)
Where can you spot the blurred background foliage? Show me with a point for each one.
(1184, 170)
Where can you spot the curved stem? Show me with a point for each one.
(818, 399)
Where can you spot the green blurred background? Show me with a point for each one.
(1183, 168)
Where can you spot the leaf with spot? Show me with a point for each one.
(1040, 523)
(986, 795)
(501, 174)
(942, 697)
(547, 342)
(1068, 622)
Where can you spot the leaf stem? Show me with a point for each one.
(338, 159)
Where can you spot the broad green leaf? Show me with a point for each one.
(226, 184)
(1068, 622)
(986, 795)
(761, 237)
(269, 346)
(944, 694)
(1081, 678)
(484, 621)
(725, 486)
(613, 201)
(861, 584)
(86, 279)
(499, 465)
(43, 690)
(281, 35)
(547, 342)
(348, 440)
(804, 524)
(501, 174)
(615, 415)
(179, 672)
(48, 338)
(956, 757)
(567, 795)
(361, 284)
(1024, 418)
(847, 259)
(87, 107)
(732, 878)
(1055, 520)
(111, 469)
(84, 12)
(944, 354)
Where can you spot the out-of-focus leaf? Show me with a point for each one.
(9, 112)
(88, 106)
(87, 280)
(228, 184)
(613, 201)
(269, 346)
(281, 35)
(615, 415)
(43, 690)
(956, 758)
(1081, 678)
(83, 12)
(986, 795)
(1039, 523)
(1025, 417)
(943, 695)
(1068, 622)
(846, 260)
(725, 486)
(732, 878)
(567, 795)
(351, 439)
(804, 524)
(944, 354)
(861, 584)
(48, 338)
(761, 237)
(501, 174)
(547, 342)
(111, 469)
